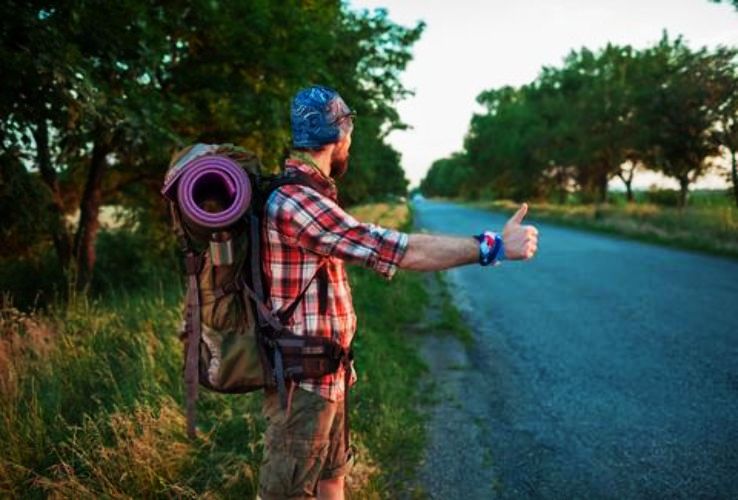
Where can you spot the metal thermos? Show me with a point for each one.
(221, 248)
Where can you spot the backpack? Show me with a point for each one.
(232, 342)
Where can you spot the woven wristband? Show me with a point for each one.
(490, 248)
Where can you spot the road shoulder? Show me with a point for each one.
(456, 462)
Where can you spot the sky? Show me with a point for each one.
(472, 45)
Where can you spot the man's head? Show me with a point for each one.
(321, 119)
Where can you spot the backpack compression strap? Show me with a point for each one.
(193, 263)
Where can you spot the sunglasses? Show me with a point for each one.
(350, 116)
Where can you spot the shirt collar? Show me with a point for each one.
(304, 163)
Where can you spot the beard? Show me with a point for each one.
(339, 166)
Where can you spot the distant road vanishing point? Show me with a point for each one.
(603, 368)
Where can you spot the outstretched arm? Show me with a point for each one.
(426, 252)
(430, 252)
(305, 219)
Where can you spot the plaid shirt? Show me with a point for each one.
(303, 228)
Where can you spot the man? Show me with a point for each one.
(306, 452)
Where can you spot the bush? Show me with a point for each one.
(663, 197)
(711, 198)
(32, 282)
(128, 260)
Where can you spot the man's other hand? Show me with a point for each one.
(521, 241)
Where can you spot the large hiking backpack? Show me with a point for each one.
(232, 341)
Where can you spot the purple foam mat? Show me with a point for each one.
(223, 177)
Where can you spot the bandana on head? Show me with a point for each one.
(316, 115)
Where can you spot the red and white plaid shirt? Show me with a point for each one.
(303, 228)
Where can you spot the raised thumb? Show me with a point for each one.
(517, 217)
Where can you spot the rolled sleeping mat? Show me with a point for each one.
(213, 194)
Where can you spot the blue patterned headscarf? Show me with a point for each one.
(318, 117)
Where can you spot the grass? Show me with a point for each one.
(707, 227)
(392, 215)
(91, 398)
(388, 396)
(450, 320)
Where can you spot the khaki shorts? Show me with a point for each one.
(302, 448)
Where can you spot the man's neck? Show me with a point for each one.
(319, 159)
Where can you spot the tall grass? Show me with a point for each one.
(91, 400)
(707, 225)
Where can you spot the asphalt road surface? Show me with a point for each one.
(602, 368)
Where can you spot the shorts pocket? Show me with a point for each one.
(309, 459)
(293, 469)
(275, 476)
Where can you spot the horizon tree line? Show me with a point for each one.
(601, 115)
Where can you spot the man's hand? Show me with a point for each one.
(521, 242)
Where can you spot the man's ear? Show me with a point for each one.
(345, 141)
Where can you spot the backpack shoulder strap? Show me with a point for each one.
(320, 271)
(295, 177)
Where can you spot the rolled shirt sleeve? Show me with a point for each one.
(307, 219)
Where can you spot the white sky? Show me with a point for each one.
(472, 45)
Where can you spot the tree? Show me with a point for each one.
(726, 83)
(679, 100)
(447, 177)
(77, 95)
(591, 107)
(369, 79)
(94, 101)
(503, 144)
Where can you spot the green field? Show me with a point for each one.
(91, 398)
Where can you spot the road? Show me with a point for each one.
(602, 368)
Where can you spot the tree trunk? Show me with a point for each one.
(734, 171)
(602, 180)
(629, 191)
(89, 210)
(683, 191)
(628, 181)
(58, 228)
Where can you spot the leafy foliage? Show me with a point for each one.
(600, 115)
(96, 96)
(446, 176)
(680, 110)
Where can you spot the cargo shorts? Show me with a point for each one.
(303, 447)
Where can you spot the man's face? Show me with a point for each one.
(340, 157)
